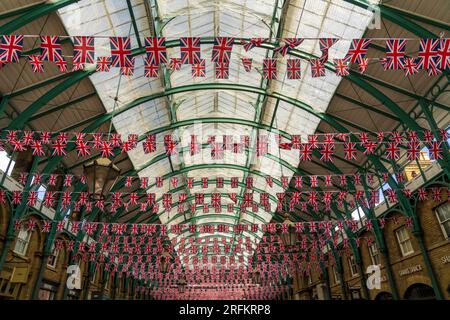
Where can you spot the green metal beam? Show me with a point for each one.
(21, 10)
(24, 117)
(31, 15)
(62, 106)
(133, 21)
(366, 106)
(395, 17)
(408, 14)
(38, 85)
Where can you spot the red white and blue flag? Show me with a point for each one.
(83, 50)
(175, 64)
(120, 52)
(190, 50)
(410, 66)
(103, 64)
(198, 69)
(51, 49)
(36, 63)
(11, 48)
(293, 69)
(341, 67)
(254, 42)
(443, 54)
(324, 45)
(156, 50)
(289, 44)
(222, 70)
(129, 70)
(358, 50)
(395, 53)
(317, 68)
(270, 68)
(221, 50)
(150, 70)
(247, 63)
(428, 53)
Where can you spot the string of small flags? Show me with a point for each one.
(433, 55)
(288, 201)
(324, 144)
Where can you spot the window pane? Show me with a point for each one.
(446, 227)
(444, 212)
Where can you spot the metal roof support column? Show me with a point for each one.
(380, 241)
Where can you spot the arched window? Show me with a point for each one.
(23, 239)
(384, 296)
(53, 257)
(420, 291)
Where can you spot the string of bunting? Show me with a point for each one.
(433, 55)
(132, 231)
(313, 200)
(20, 141)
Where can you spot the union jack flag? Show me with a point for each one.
(129, 70)
(49, 199)
(433, 70)
(11, 48)
(270, 68)
(305, 152)
(198, 69)
(51, 49)
(395, 53)
(82, 148)
(358, 50)
(83, 50)
(410, 66)
(36, 63)
(170, 145)
(221, 50)
(289, 44)
(254, 42)
(341, 67)
(103, 64)
(247, 63)
(392, 151)
(350, 151)
(121, 52)
(175, 64)
(327, 152)
(293, 69)
(222, 70)
(428, 53)
(190, 50)
(62, 65)
(325, 44)
(149, 144)
(217, 151)
(435, 150)
(59, 148)
(37, 148)
(156, 50)
(150, 70)
(363, 65)
(443, 54)
(317, 68)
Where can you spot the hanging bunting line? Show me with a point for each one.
(313, 200)
(393, 143)
(433, 55)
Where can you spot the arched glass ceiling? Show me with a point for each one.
(241, 19)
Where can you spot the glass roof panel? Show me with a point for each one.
(236, 18)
